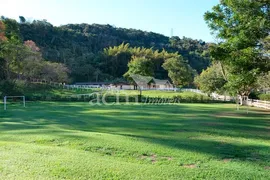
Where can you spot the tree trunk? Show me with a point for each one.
(241, 100)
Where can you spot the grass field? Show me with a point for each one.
(81, 95)
(156, 93)
(185, 141)
(149, 93)
(59, 92)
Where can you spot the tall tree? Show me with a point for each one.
(211, 80)
(179, 71)
(240, 25)
(141, 66)
(22, 19)
(2, 31)
(2, 43)
(18, 59)
(264, 81)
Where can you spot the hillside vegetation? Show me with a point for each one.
(81, 47)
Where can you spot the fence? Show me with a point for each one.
(258, 103)
(43, 81)
(214, 96)
(81, 86)
(62, 85)
(160, 89)
(193, 90)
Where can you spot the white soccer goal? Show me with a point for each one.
(6, 97)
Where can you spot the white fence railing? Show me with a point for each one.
(63, 85)
(82, 86)
(258, 103)
(193, 90)
(250, 102)
(216, 96)
(160, 89)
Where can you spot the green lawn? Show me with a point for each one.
(58, 92)
(54, 94)
(185, 141)
(157, 93)
(70, 92)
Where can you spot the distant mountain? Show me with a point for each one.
(82, 44)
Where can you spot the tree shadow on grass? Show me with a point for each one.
(220, 150)
(171, 126)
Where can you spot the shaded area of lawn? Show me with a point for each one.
(189, 136)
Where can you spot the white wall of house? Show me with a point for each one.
(127, 87)
(164, 86)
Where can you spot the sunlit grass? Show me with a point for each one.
(149, 93)
(158, 93)
(184, 141)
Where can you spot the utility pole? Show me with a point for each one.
(172, 32)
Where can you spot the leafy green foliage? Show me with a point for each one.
(149, 62)
(211, 80)
(84, 62)
(141, 66)
(264, 81)
(23, 61)
(81, 48)
(179, 71)
(2, 42)
(241, 26)
(2, 32)
(194, 51)
(12, 30)
(9, 88)
(264, 97)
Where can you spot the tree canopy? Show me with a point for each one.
(211, 80)
(241, 27)
(81, 48)
(95, 52)
(179, 71)
(22, 60)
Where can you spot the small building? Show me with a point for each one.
(143, 82)
(150, 83)
(162, 84)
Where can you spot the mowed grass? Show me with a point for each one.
(66, 94)
(59, 92)
(161, 94)
(184, 141)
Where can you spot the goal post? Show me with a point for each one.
(6, 97)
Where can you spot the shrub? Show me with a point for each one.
(9, 88)
(264, 97)
(254, 95)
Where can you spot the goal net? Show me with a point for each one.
(12, 97)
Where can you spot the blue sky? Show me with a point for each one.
(160, 16)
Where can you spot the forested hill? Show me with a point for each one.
(108, 35)
(80, 46)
